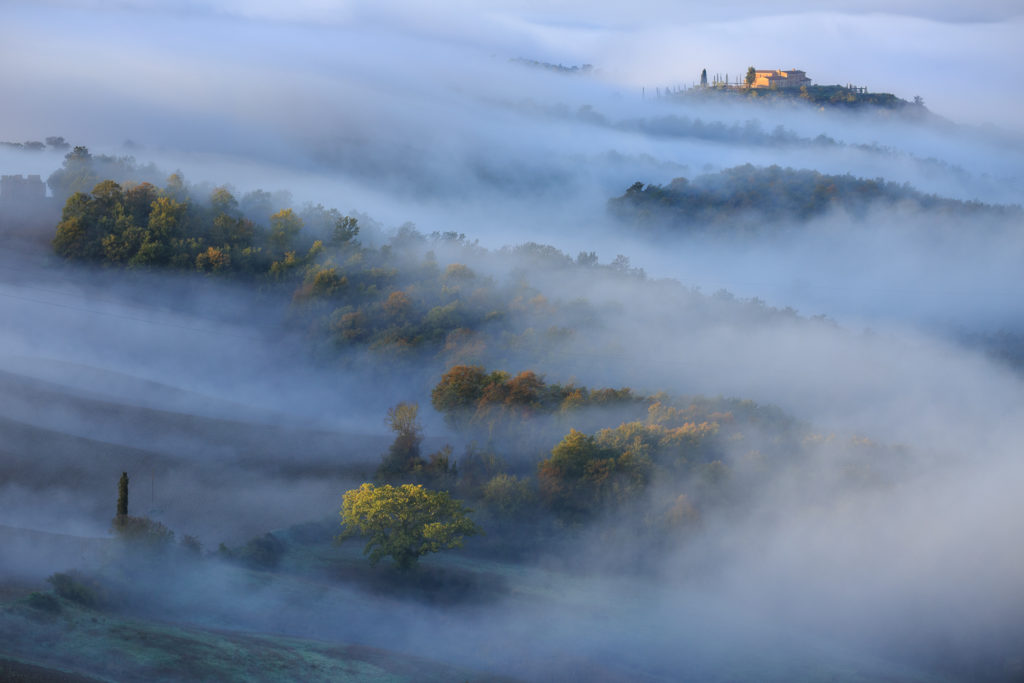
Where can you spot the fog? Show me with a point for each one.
(407, 119)
(892, 551)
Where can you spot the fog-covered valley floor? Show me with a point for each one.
(817, 312)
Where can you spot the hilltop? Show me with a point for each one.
(791, 85)
(761, 199)
(833, 96)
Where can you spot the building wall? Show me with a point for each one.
(21, 189)
(776, 78)
(25, 210)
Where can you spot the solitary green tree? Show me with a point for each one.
(703, 78)
(404, 522)
(751, 76)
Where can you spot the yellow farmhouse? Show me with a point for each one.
(776, 78)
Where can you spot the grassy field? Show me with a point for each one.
(86, 645)
(321, 613)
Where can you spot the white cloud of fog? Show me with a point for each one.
(373, 90)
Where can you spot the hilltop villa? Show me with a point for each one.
(776, 78)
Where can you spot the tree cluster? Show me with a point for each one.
(403, 463)
(757, 198)
(557, 68)
(82, 170)
(493, 404)
(848, 97)
(140, 225)
(688, 445)
(52, 142)
(396, 299)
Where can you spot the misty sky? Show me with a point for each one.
(961, 57)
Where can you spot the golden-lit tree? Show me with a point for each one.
(404, 522)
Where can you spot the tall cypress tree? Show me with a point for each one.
(122, 496)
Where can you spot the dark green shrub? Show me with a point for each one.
(77, 587)
(192, 545)
(262, 552)
(142, 531)
(44, 602)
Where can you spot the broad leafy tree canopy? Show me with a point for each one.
(404, 522)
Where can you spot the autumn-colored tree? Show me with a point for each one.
(176, 188)
(213, 260)
(165, 217)
(470, 397)
(228, 227)
(122, 246)
(586, 474)
(107, 196)
(397, 306)
(404, 522)
(87, 219)
(402, 419)
(284, 230)
(508, 495)
(457, 393)
(223, 202)
(72, 238)
(525, 391)
(325, 281)
(349, 325)
(138, 201)
(403, 455)
(455, 277)
(111, 222)
(230, 230)
(561, 477)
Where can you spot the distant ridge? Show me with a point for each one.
(753, 197)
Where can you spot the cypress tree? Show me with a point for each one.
(122, 496)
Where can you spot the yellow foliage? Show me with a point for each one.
(213, 260)
(404, 522)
